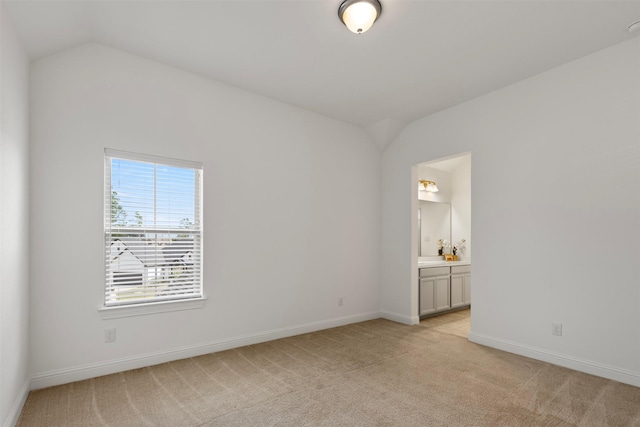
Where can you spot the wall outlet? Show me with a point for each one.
(340, 302)
(110, 335)
(556, 329)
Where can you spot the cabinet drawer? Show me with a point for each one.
(434, 271)
(459, 269)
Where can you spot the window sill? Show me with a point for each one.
(150, 308)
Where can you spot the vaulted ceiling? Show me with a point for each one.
(421, 56)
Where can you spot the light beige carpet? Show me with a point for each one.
(375, 373)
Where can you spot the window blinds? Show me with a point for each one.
(153, 229)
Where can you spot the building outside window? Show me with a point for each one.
(152, 229)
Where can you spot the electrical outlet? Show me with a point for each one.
(556, 329)
(340, 302)
(110, 335)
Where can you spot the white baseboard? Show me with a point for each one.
(400, 318)
(83, 372)
(586, 366)
(16, 409)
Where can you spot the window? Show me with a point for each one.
(152, 229)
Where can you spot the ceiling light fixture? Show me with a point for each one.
(634, 27)
(429, 186)
(359, 15)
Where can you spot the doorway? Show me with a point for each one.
(441, 232)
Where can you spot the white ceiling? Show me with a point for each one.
(421, 56)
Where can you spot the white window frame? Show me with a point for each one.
(194, 298)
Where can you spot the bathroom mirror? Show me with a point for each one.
(434, 223)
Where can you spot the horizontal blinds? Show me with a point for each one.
(153, 231)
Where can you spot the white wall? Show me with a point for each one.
(556, 212)
(14, 223)
(461, 207)
(317, 238)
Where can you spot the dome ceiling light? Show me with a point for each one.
(359, 15)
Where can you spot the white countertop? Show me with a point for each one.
(425, 264)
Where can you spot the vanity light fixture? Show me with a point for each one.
(429, 186)
(359, 15)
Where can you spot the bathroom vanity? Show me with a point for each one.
(444, 286)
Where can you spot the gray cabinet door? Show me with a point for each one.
(444, 288)
(467, 289)
(443, 297)
(457, 290)
(427, 295)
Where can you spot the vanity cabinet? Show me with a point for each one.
(444, 288)
(435, 288)
(460, 286)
